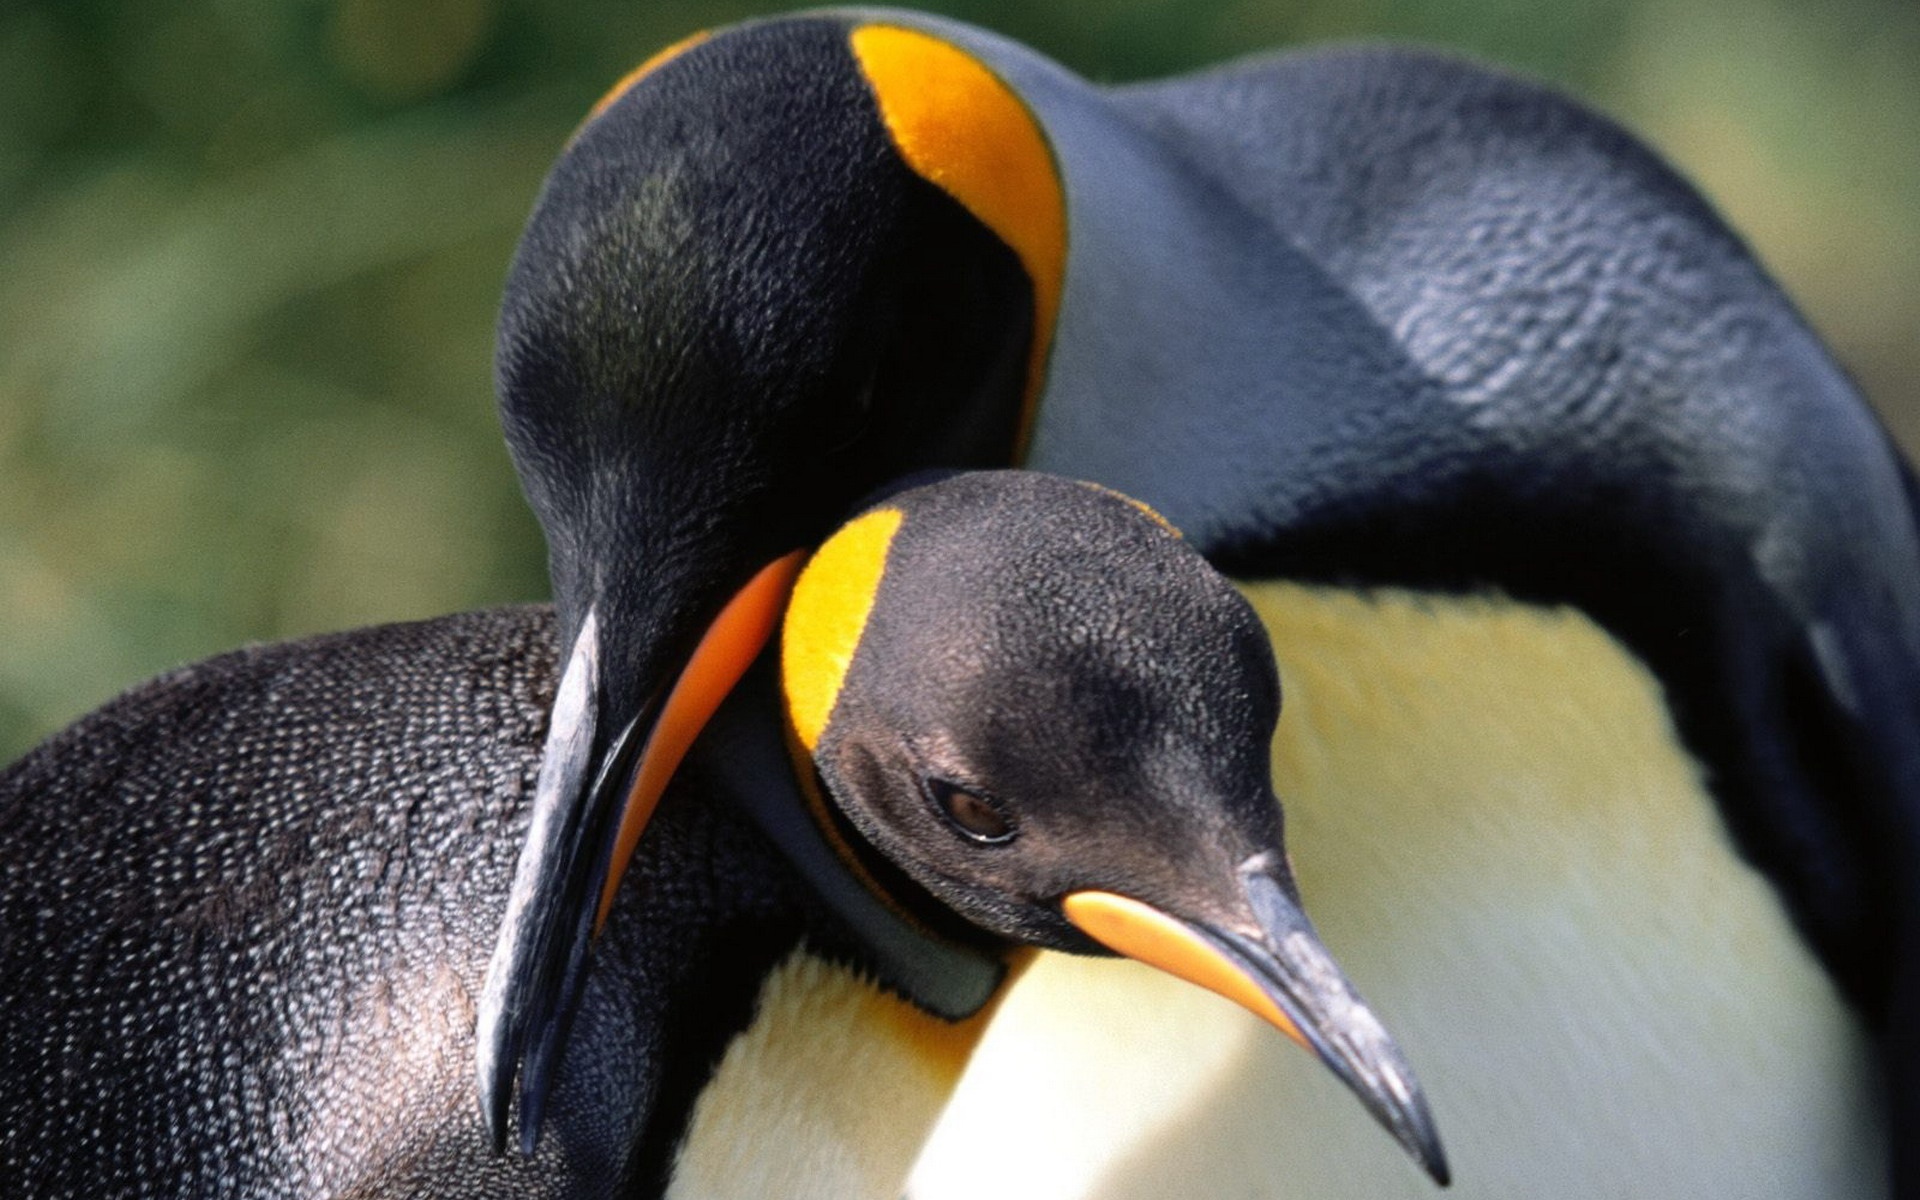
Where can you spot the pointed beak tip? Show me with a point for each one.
(1423, 1144)
(1287, 977)
(1401, 1111)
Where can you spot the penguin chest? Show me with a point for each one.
(1498, 833)
(827, 1095)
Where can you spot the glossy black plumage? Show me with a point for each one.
(668, 369)
(1598, 399)
(1608, 404)
(248, 908)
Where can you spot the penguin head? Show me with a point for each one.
(741, 303)
(1032, 697)
(775, 268)
(1044, 689)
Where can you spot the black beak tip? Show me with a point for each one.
(1422, 1139)
(1411, 1124)
(1431, 1156)
(496, 1125)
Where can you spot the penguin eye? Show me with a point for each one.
(980, 819)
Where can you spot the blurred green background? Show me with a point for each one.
(250, 254)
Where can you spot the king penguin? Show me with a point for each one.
(250, 899)
(1597, 575)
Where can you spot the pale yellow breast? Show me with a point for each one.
(828, 1094)
(1499, 836)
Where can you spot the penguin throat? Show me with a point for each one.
(893, 887)
(885, 924)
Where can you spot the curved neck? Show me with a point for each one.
(949, 976)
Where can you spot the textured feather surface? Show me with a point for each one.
(249, 907)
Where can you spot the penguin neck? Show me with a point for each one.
(1236, 310)
(888, 925)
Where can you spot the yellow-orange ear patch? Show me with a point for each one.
(960, 127)
(826, 616)
(658, 59)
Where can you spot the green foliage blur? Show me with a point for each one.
(250, 255)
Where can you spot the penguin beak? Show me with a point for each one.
(593, 798)
(1271, 962)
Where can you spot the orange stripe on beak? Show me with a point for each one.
(731, 643)
(1144, 933)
